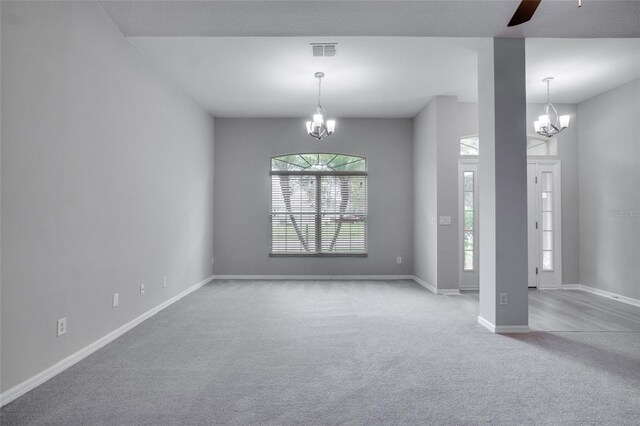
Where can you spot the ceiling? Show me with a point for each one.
(253, 59)
(413, 18)
(274, 77)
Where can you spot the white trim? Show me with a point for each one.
(503, 329)
(426, 285)
(486, 324)
(35, 381)
(314, 277)
(443, 292)
(571, 286)
(434, 290)
(549, 287)
(602, 293)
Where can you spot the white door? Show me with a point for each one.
(543, 203)
(532, 221)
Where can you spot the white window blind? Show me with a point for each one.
(318, 205)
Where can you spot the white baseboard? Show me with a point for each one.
(35, 381)
(434, 290)
(426, 285)
(571, 286)
(502, 329)
(314, 277)
(602, 293)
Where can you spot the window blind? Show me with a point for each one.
(318, 213)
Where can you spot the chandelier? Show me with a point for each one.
(550, 124)
(320, 127)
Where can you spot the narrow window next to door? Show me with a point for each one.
(468, 217)
(547, 221)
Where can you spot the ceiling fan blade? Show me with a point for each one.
(524, 12)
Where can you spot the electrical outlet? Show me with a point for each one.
(62, 326)
(503, 298)
(116, 299)
(164, 282)
(212, 260)
(141, 289)
(399, 260)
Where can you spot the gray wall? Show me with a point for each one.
(609, 165)
(436, 149)
(467, 124)
(241, 232)
(467, 119)
(107, 182)
(568, 156)
(425, 195)
(448, 147)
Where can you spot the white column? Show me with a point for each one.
(503, 186)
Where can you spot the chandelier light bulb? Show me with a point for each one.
(320, 127)
(544, 120)
(550, 123)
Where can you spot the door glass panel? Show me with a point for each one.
(468, 260)
(468, 220)
(546, 201)
(547, 240)
(468, 181)
(547, 181)
(547, 260)
(468, 193)
(468, 240)
(468, 201)
(546, 221)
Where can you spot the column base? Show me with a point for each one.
(503, 329)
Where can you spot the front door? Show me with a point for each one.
(543, 204)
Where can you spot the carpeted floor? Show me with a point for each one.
(358, 353)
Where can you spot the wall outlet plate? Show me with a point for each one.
(164, 282)
(116, 299)
(62, 326)
(503, 298)
(141, 289)
(399, 260)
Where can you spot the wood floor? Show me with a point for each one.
(576, 310)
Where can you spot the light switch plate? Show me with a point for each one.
(445, 220)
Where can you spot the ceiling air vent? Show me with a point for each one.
(324, 49)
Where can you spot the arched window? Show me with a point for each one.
(318, 205)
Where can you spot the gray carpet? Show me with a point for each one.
(361, 353)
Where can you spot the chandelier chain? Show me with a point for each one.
(548, 91)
